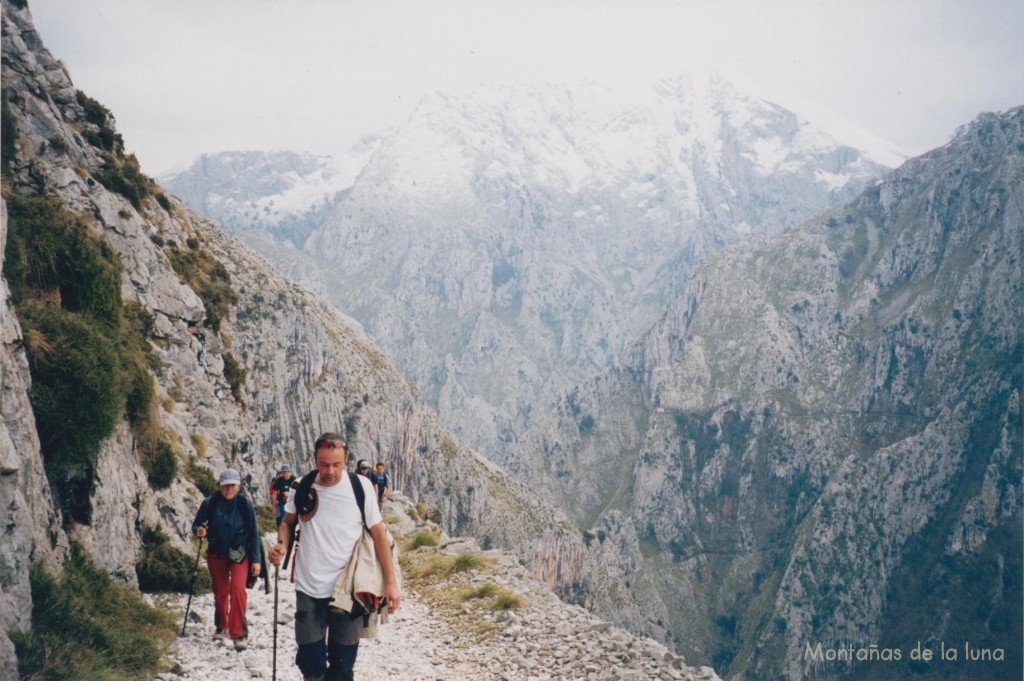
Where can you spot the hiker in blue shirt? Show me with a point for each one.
(280, 488)
(382, 481)
(233, 553)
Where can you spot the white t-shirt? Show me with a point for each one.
(327, 540)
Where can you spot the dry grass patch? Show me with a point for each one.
(467, 562)
(507, 600)
(434, 577)
(434, 565)
(485, 590)
(423, 538)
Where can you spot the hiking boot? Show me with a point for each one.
(241, 643)
(220, 634)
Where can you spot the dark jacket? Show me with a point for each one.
(232, 524)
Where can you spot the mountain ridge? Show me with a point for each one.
(819, 416)
(531, 233)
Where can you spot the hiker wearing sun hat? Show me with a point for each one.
(228, 519)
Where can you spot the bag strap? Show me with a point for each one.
(302, 501)
(357, 489)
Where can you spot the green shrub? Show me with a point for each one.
(51, 253)
(85, 626)
(202, 477)
(164, 202)
(235, 375)
(106, 138)
(161, 465)
(423, 538)
(57, 145)
(208, 277)
(8, 135)
(141, 391)
(162, 568)
(76, 396)
(124, 176)
(88, 352)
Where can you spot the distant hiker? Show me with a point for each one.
(280, 489)
(330, 523)
(382, 481)
(228, 519)
(363, 469)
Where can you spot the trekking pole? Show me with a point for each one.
(276, 573)
(192, 587)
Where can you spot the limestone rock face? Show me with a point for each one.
(820, 440)
(31, 522)
(247, 380)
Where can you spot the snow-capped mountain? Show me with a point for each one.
(506, 243)
(284, 194)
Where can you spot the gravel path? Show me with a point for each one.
(441, 632)
(407, 647)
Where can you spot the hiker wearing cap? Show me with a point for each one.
(363, 469)
(331, 524)
(228, 520)
(280, 488)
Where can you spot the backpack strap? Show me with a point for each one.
(305, 507)
(357, 489)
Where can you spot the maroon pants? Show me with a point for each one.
(229, 594)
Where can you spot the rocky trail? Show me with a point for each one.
(482, 617)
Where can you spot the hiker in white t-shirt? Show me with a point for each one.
(330, 524)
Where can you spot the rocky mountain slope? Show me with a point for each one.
(820, 441)
(504, 245)
(144, 348)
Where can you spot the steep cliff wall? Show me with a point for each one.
(32, 525)
(247, 369)
(821, 440)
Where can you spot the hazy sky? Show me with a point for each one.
(185, 77)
